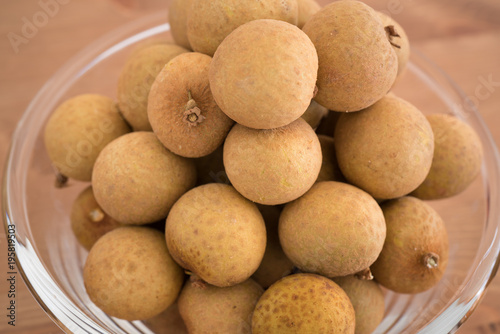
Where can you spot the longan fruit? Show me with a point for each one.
(182, 110)
(357, 64)
(136, 180)
(307, 8)
(272, 166)
(457, 160)
(177, 18)
(398, 39)
(78, 130)
(129, 273)
(136, 79)
(209, 22)
(263, 74)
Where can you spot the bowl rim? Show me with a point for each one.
(140, 29)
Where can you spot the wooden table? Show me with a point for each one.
(461, 36)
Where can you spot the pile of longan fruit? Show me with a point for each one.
(257, 176)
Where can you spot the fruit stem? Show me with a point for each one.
(96, 215)
(365, 275)
(192, 114)
(196, 280)
(431, 260)
(391, 32)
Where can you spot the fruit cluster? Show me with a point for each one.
(291, 182)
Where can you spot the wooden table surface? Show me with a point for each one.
(461, 36)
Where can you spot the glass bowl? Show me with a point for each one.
(50, 259)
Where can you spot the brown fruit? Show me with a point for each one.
(217, 234)
(367, 299)
(182, 111)
(78, 130)
(275, 265)
(88, 221)
(167, 322)
(303, 303)
(398, 39)
(272, 166)
(136, 79)
(136, 180)
(415, 253)
(307, 8)
(458, 156)
(385, 149)
(177, 18)
(330, 170)
(263, 75)
(357, 65)
(209, 309)
(314, 114)
(210, 22)
(130, 275)
(335, 229)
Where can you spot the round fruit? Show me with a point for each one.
(136, 79)
(263, 74)
(385, 149)
(272, 166)
(330, 170)
(398, 39)
(314, 114)
(275, 265)
(415, 252)
(88, 221)
(177, 18)
(209, 22)
(307, 8)
(182, 111)
(217, 234)
(209, 309)
(357, 64)
(367, 299)
(78, 130)
(458, 156)
(167, 322)
(136, 180)
(130, 275)
(303, 303)
(335, 229)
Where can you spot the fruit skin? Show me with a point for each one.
(177, 18)
(275, 265)
(136, 79)
(272, 166)
(78, 130)
(217, 234)
(209, 309)
(457, 160)
(88, 221)
(303, 303)
(136, 180)
(357, 65)
(367, 299)
(335, 229)
(314, 114)
(403, 51)
(414, 230)
(330, 170)
(307, 8)
(385, 149)
(182, 89)
(167, 322)
(263, 74)
(130, 275)
(210, 22)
